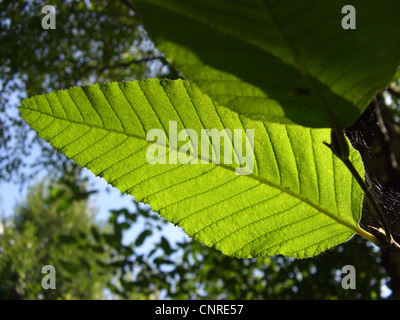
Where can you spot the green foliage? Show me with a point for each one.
(53, 226)
(280, 61)
(308, 201)
(34, 61)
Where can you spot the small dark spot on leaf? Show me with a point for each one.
(303, 91)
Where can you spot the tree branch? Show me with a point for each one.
(385, 133)
(394, 91)
(125, 64)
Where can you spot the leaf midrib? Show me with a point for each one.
(302, 69)
(357, 230)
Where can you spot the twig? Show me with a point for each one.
(344, 155)
(367, 190)
(394, 91)
(385, 134)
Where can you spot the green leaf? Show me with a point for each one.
(160, 261)
(164, 244)
(67, 239)
(142, 237)
(95, 233)
(280, 61)
(298, 200)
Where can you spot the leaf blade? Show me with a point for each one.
(287, 61)
(273, 210)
